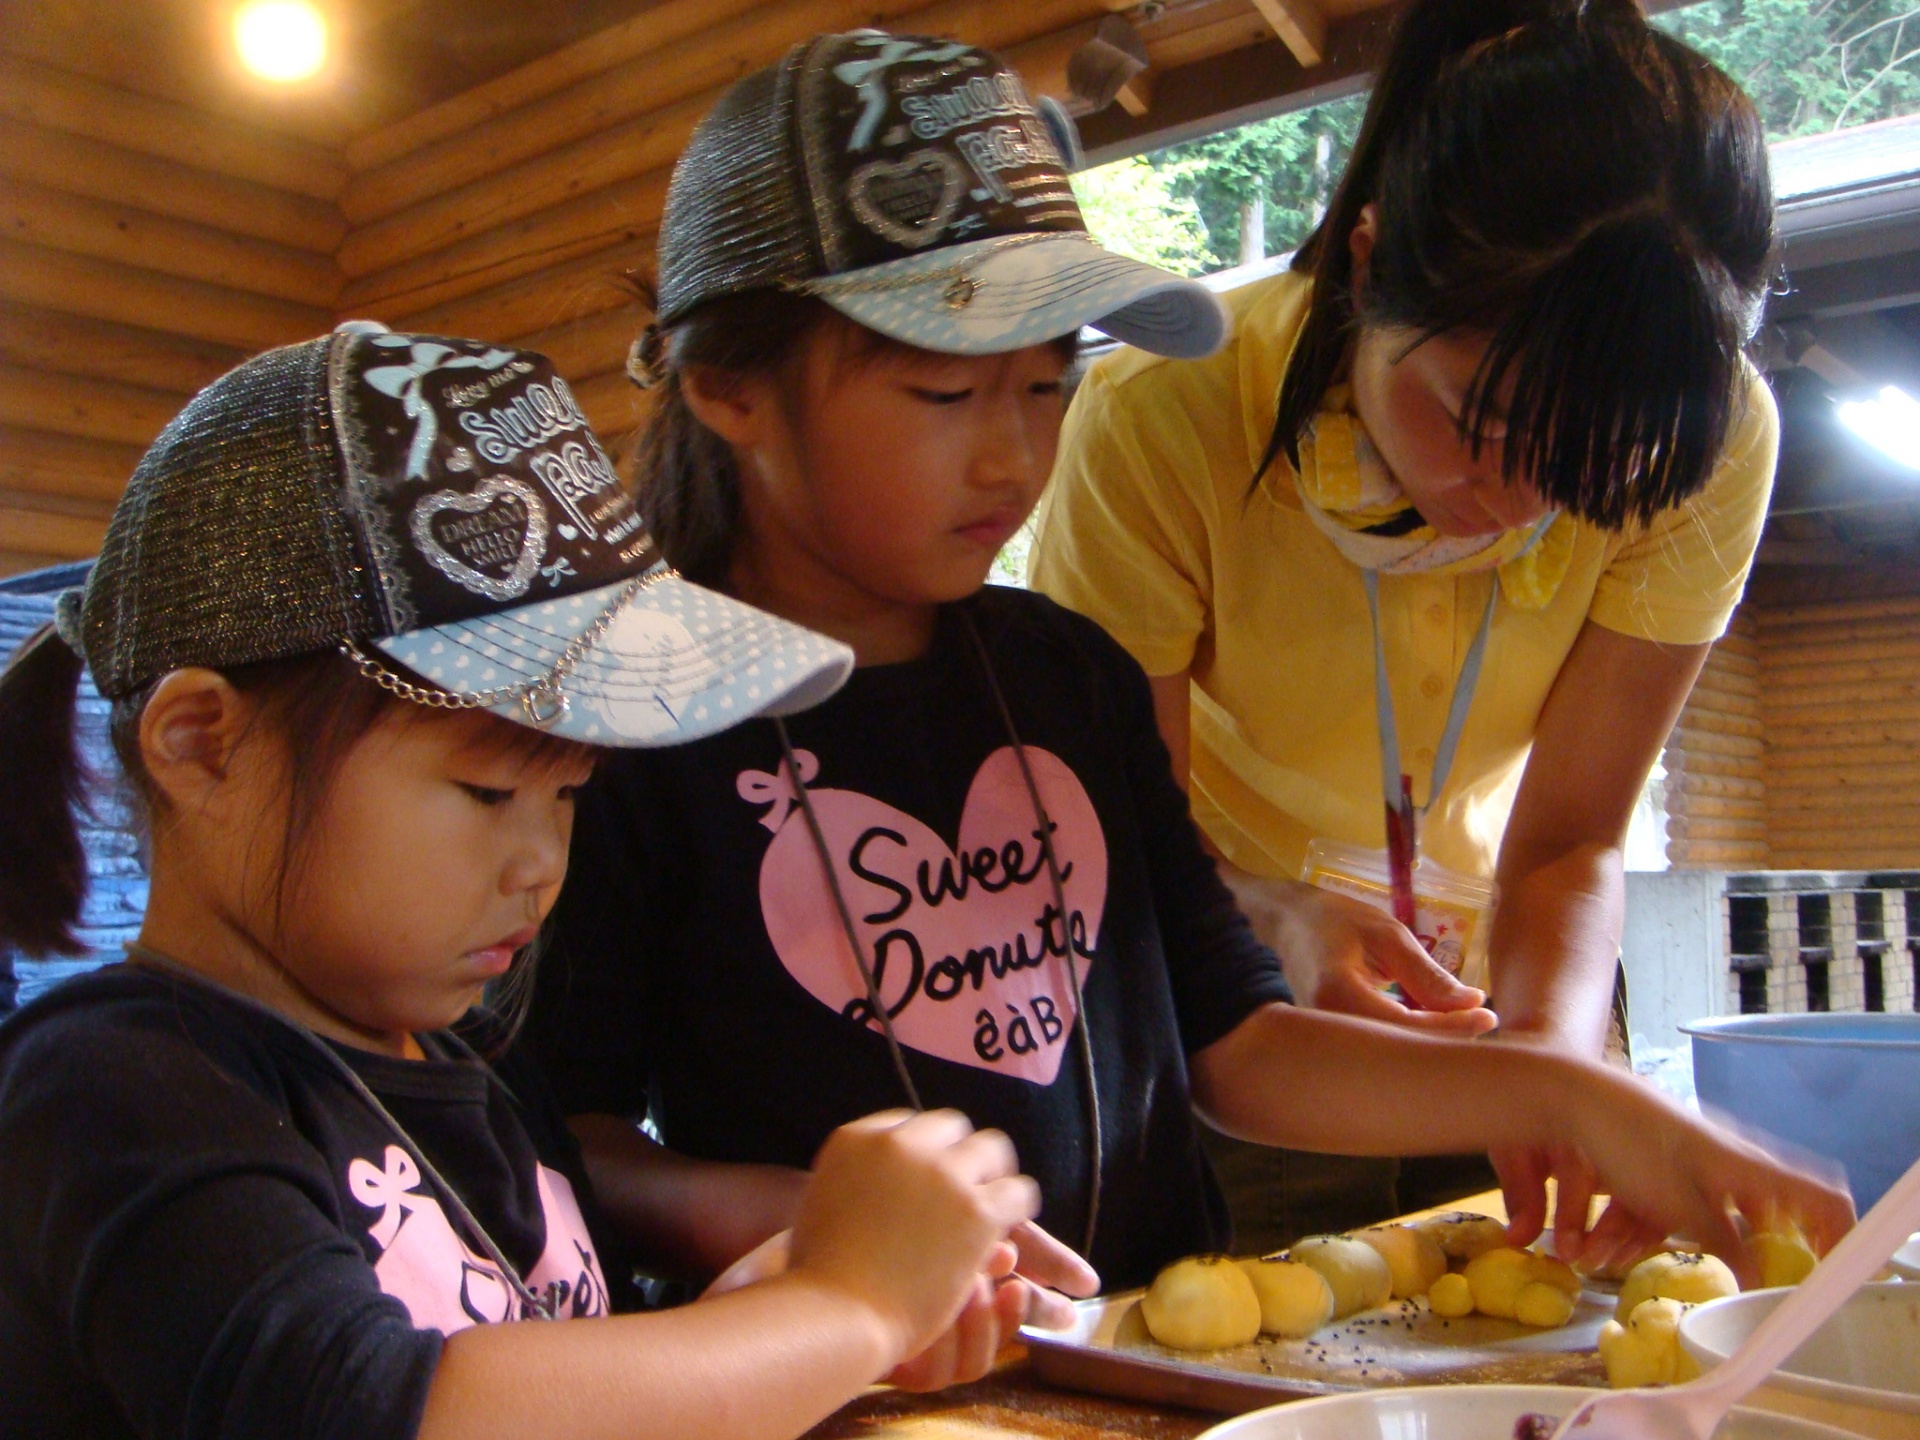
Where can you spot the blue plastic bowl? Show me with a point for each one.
(1845, 1086)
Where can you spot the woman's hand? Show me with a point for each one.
(1340, 954)
(1021, 1284)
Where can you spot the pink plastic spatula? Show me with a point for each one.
(1694, 1410)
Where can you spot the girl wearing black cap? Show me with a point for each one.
(969, 878)
(256, 1181)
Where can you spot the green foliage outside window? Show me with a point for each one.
(1810, 65)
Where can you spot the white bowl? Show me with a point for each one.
(1906, 1260)
(1462, 1412)
(1861, 1370)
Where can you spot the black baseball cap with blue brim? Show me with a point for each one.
(439, 510)
(913, 185)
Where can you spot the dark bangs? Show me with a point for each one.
(1621, 372)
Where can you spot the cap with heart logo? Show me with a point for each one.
(442, 504)
(914, 186)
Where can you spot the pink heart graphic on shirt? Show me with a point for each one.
(966, 944)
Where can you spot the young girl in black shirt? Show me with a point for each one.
(366, 611)
(968, 879)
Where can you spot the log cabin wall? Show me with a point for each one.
(1716, 785)
(526, 209)
(145, 247)
(158, 228)
(1840, 699)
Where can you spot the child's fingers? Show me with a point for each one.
(1049, 1310)
(1354, 996)
(1001, 1260)
(1619, 1236)
(985, 1155)
(1573, 1198)
(879, 1120)
(1049, 1263)
(1522, 1171)
(1010, 1200)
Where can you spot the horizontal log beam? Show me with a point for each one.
(126, 236)
(1836, 612)
(1300, 26)
(614, 405)
(101, 290)
(1854, 672)
(1245, 84)
(1786, 663)
(75, 405)
(1796, 639)
(44, 463)
(1688, 784)
(587, 286)
(1871, 804)
(76, 345)
(1704, 720)
(645, 34)
(1688, 741)
(694, 68)
(1717, 855)
(1742, 767)
(20, 562)
(592, 345)
(640, 151)
(50, 531)
(1827, 779)
(62, 101)
(623, 217)
(1889, 858)
(1687, 828)
(1785, 760)
(1902, 731)
(99, 171)
(1889, 698)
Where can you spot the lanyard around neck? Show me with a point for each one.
(1469, 681)
(534, 1306)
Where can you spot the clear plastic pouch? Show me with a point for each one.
(1454, 912)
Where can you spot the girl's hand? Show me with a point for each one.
(1020, 1285)
(1340, 954)
(904, 1213)
(1669, 1172)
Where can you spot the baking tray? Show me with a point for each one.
(1108, 1352)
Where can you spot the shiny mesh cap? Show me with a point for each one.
(913, 185)
(441, 503)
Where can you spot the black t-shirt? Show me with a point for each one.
(700, 969)
(205, 1232)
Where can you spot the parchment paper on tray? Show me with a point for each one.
(1109, 1352)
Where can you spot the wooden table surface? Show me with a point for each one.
(1010, 1404)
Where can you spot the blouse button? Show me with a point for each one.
(1437, 613)
(1432, 686)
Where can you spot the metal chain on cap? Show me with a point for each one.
(542, 699)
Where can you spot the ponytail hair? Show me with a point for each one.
(43, 868)
(687, 483)
(1587, 192)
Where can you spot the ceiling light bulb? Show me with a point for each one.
(1890, 422)
(283, 40)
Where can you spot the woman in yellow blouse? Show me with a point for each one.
(1476, 482)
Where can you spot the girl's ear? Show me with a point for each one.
(189, 729)
(732, 405)
(1360, 243)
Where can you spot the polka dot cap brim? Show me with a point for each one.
(986, 297)
(677, 662)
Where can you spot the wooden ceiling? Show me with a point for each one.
(485, 167)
